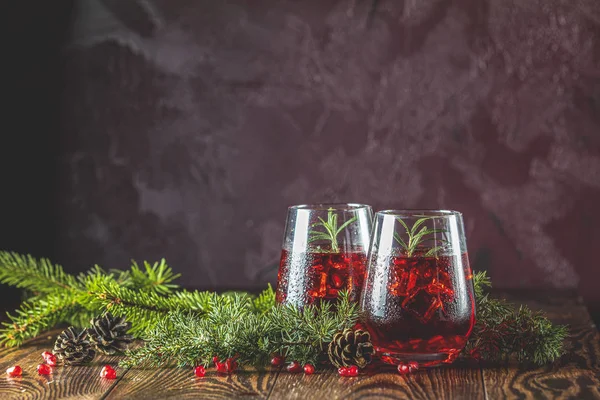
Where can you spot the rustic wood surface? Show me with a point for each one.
(575, 376)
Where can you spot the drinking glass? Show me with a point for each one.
(324, 252)
(418, 299)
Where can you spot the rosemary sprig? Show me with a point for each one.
(417, 237)
(331, 230)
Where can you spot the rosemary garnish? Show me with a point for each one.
(417, 237)
(331, 230)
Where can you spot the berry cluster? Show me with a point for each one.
(226, 367)
(47, 368)
(293, 367)
(350, 371)
(404, 369)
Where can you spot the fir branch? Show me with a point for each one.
(234, 327)
(157, 277)
(36, 275)
(36, 316)
(143, 295)
(264, 301)
(503, 332)
(142, 308)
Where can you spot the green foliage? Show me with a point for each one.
(38, 276)
(265, 301)
(503, 331)
(417, 238)
(143, 308)
(36, 316)
(143, 295)
(331, 230)
(235, 327)
(155, 277)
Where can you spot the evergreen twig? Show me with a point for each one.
(38, 276)
(58, 297)
(234, 327)
(503, 331)
(36, 316)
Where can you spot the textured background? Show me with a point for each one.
(187, 127)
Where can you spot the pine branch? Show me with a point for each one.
(38, 276)
(155, 277)
(265, 301)
(503, 332)
(143, 308)
(58, 297)
(234, 327)
(37, 316)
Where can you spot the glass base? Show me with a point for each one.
(424, 360)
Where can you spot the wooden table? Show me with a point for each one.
(576, 375)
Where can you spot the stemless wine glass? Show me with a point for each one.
(324, 252)
(418, 299)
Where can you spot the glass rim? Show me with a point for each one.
(327, 206)
(413, 213)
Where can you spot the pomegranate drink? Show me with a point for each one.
(418, 299)
(326, 275)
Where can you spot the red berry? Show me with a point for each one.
(215, 360)
(353, 370)
(413, 366)
(199, 371)
(309, 369)
(221, 367)
(475, 354)
(44, 369)
(109, 374)
(276, 361)
(14, 371)
(106, 371)
(49, 358)
(294, 367)
(343, 371)
(403, 369)
(230, 365)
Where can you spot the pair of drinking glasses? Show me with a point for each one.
(409, 272)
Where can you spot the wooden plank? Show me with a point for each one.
(457, 382)
(576, 375)
(177, 383)
(75, 382)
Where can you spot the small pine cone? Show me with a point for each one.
(350, 347)
(109, 334)
(73, 348)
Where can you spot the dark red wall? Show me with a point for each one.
(189, 126)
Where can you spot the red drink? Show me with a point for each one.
(307, 277)
(423, 311)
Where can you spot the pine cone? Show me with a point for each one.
(351, 347)
(72, 347)
(109, 334)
